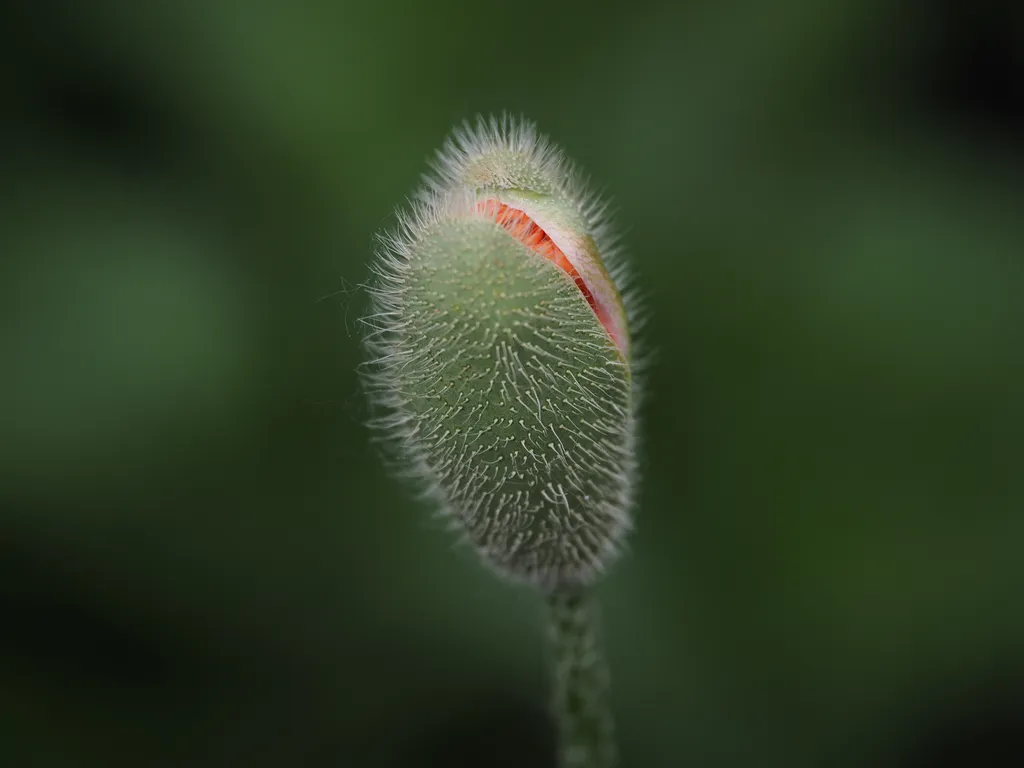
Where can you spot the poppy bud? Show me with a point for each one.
(501, 362)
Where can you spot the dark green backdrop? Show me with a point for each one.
(202, 562)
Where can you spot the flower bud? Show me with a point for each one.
(501, 357)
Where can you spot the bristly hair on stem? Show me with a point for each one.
(580, 682)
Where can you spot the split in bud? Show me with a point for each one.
(502, 361)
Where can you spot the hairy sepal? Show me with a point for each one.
(505, 396)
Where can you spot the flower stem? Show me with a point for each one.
(580, 679)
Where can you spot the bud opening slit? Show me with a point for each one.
(519, 224)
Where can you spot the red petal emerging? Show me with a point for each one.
(526, 230)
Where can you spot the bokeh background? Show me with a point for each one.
(202, 562)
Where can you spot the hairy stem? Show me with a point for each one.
(580, 701)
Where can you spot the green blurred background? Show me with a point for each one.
(202, 562)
